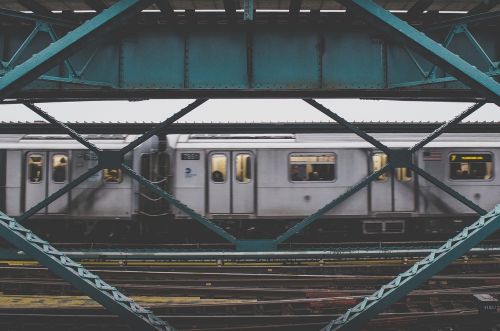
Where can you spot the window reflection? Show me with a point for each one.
(112, 175)
(59, 168)
(35, 168)
(403, 174)
(312, 167)
(219, 168)
(243, 168)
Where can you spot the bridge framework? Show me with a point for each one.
(15, 78)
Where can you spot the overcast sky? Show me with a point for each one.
(251, 110)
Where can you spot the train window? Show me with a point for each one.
(471, 166)
(35, 168)
(379, 160)
(112, 175)
(219, 168)
(59, 168)
(243, 168)
(403, 174)
(312, 167)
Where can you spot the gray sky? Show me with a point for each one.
(251, 110)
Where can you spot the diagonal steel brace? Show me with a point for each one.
(40, 63)
(89, 283)
(433, 51)
(424, 269)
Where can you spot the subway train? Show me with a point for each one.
(252, 185)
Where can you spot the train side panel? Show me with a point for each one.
(279, 196)
(483, 192)
(96, 197)
(190, 180)
(13, 182)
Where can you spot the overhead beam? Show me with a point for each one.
(230, 7)
(295, 7)
(37, 65)
(35, 17)
(418, 9)
(484, 6)
(165, 7)
(468, 19)
(245, 128)
(35, 7)
(97, 5)
(430, 49)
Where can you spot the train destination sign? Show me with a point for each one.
(470, 157)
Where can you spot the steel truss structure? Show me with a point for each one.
(212, 55)
(18, 81)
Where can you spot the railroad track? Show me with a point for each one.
(245, 296)
(451, 319)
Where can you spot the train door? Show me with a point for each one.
(393, 191)
(57, 177)
(231, 185)
(36, 187)
(46, 173)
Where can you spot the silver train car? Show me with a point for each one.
(252, 182)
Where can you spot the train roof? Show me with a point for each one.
(58, 141)
(332, 140)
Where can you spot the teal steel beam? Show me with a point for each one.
(68, 187)
(421, 271)
(54, 196)
(315, 216)
(163, 126)
(344, 196)
(38, 64)
(72, 133)
(447, 189)
(248, 10)
(430, 49)
(439, 131)
(74, 273)
(348, 125)
(167, 196)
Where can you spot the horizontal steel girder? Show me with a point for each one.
(51, 55)
(248, 128)
(432, 50)
(219, 61)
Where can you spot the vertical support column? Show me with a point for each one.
(248, 10)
